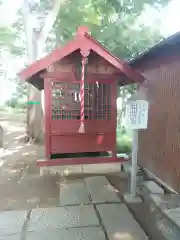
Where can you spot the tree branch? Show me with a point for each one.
(28, 30)
(49, 22)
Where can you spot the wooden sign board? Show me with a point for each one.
(137, 114)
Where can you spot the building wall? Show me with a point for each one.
(159, 145)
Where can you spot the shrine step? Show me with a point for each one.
(102, 168)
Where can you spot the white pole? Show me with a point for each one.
(134, 163)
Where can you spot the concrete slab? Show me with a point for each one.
(127, 166)
(153, 187)
(119, 223)
(11, 222)
(174, 215)
(130, 199)
(63, 170)
(60, 217)
(101, 191)
(84, 168)
(101, 168)
(11, 237)
(89, 233)
(166, 201)
(73, 192)
(124, 175)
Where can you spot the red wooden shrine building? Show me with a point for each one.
(80, 83)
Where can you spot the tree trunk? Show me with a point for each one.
(121, 110)
(36, 42)
(35, 131)
(1, 137)
(35, 117)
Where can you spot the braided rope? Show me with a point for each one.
(81, 129)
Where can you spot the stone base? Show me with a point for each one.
(130, 199)
(119, 222)
(101, 191)
(152, 187)
(100, 168)
(87, 233)
(62, 170)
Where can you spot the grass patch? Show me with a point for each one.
(124, 143)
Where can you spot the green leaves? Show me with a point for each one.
(112, 22)
(6, 37)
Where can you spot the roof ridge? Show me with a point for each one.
(157, 46)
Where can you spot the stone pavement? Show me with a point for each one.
(88, 209)
(74, 192)
(101, 191)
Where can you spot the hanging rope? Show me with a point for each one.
(81, 129)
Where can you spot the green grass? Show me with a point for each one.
(124, 143)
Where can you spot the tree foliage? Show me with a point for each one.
(6, 37)
(19, 97)
(114, 23)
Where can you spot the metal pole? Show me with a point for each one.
(134, 163)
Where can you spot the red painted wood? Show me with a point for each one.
(85, 43)
(124, 67)
(58, 75)
(162, 136)
(65, 138)
(91, 78)
(62, 102)
(75, 161)
(100, 139)
(74, 143)
(62, 127)
(42, 64)
(47, 108)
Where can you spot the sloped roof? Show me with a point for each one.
(163, 46)
(82, 40)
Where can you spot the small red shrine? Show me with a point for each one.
(80, 82)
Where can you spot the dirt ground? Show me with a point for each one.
(22, 187)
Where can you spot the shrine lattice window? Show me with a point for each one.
(65, 100)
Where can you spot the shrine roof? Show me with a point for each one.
(83, 40)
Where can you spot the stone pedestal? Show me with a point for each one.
(130, 199)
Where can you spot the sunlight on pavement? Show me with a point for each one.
(122, 236)
(11, 129)
(29, 153)
(1, 163)
(9, 152)
(19, 137)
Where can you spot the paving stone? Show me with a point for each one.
(11, 222)
(62, 170)
(174, 215)
(88, 233)
(60, 217)
(73, 192)
(102, 168)
(127, 166)
(101, 190)
(166, 201)
(131, 199)
(153, 187)
(119, 223)
(11, 237)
